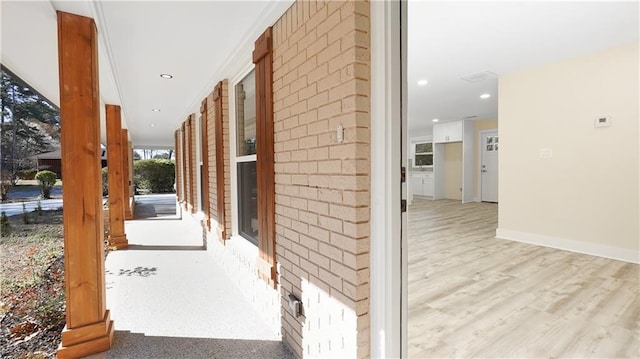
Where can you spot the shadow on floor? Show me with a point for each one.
(141, 346)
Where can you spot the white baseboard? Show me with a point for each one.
(594, 249)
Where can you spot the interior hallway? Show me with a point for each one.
(471, 295)
(169, 299)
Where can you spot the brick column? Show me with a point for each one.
(117, 174)
(89, 329)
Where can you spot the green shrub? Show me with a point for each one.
(155, 175)
(105, 182)
(27, 174)
(4, 223)
(7, 181)
(46, 180)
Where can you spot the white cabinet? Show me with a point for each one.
(422, 184)
(447, 132)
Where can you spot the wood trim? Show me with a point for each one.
(205, 163)
(262, 58)
(81, 165)
(192, 164)
(217, 98)
(262, 46)
(117, 175)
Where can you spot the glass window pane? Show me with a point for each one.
(248, 201)
(424, 147)
(424, 160)
(246, 115)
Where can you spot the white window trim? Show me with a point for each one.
(234, 159)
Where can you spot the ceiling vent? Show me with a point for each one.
(479, 77)
(469, 117)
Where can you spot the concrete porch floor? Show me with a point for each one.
(169, 299)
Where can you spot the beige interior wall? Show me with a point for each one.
(588, 191)
(453, 170)
(480, 125)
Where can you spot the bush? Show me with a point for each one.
(155, 175)
(46, 180)
(4, 223)
(105, 183)
(7, 181)
(27, 174)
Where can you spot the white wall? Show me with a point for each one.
(585, 198)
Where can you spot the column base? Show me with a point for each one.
(87, 340)
(120, 242)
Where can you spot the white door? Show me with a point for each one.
(490, 145)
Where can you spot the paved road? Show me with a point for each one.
(14, 208)
(166, 202)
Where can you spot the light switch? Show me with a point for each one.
(340, 133)
(546, 153)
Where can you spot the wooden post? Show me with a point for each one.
(126, 178)
(89, 329)
(132, 195)
(118, 175)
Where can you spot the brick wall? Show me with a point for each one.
(213, 179)
(321, 80)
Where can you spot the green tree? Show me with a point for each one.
(46, 181)
(29, 125)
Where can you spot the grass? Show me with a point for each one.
(32, 302)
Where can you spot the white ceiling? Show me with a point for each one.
(448, 40)
(202, 42)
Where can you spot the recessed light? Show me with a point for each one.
(153, 125)
(422, 82)
(435, 120)
(485, 96)
(155, 109)
(166, 76)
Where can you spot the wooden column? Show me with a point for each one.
(89, 329)
(126, 178)
(116, 174)
(132, 195)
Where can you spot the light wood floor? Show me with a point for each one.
(472, 295)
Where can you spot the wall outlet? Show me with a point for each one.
(546, 153)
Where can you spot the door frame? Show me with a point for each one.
(479, 159)
(388, 300)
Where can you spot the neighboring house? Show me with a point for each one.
(290, 163)
(52, 161)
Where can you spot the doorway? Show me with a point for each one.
(489, 146)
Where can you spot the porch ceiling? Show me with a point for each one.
(198, 42)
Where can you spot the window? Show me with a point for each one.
(246, 115)
(245, 92)
(424, 154)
